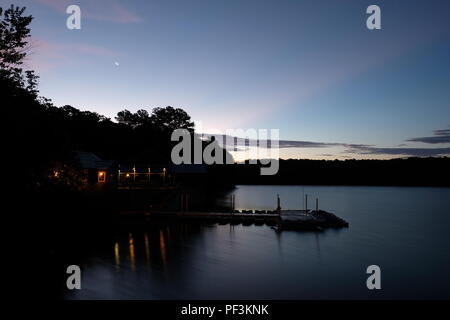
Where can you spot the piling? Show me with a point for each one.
(306, 203)
(278, 203)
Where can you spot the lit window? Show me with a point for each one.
(101, 176)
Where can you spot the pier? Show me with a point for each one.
(280, 220)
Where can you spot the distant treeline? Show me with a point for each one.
(400, 172)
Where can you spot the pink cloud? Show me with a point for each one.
(122, 15)
(91, 49)
(101, 10)
(43, 55)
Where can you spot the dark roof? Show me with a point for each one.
(188, 168)
(88, 160)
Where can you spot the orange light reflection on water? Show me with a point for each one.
(131, 249)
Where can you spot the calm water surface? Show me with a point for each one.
(404, 230)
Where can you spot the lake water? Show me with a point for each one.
(404, 230)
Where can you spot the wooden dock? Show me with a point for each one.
(315, 220)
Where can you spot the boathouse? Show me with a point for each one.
(95, 170)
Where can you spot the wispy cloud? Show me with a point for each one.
(44, 55)
(111, 10)
(312, 144)
(440, 136)
(413, 152)
(349, 148)
(283, 144)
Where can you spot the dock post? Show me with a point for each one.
(278, 204)
(164, 175)
(317, 204)
(306, 203)
(303, 198)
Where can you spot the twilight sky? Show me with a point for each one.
(309, 68)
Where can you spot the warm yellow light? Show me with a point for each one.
(101, 176)
(128, 175)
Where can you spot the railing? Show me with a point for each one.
(141, 179)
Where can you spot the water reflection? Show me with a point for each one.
(131, 249)
(317, 244)
(162, 247)
(147, 248)
(193, 261)
(117, 255)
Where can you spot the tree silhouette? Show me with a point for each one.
(141, 117)
(169, 119)
(14, 33)
(163, 119)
